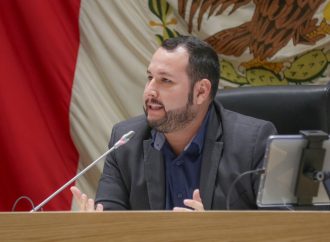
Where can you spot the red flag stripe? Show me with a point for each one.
(38, 48)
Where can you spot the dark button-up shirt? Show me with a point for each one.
(182, 171)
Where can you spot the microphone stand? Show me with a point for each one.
(123, 140)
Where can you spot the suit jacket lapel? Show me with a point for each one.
(212, 152)
(154, 175)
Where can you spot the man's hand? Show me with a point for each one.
(85, 204)
(195, 203)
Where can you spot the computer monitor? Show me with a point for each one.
(278, 184)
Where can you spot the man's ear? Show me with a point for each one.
(202, 91)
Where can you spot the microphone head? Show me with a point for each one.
(124, 139)
(128, 135)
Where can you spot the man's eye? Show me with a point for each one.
(167, 81)
(149, 78)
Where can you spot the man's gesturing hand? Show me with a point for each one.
(85, 204)
(195, 203)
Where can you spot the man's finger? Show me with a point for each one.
(83, 202)
(90, 205)
(196, 205)
(196, 202)
(76, 193)
(99, 207)
(197, 196)
(180, 209)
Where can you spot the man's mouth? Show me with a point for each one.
(154, 105)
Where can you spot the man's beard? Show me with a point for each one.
(173, 120)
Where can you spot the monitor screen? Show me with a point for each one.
(282, 160)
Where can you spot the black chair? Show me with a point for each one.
(290, 108)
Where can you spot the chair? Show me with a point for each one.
(290, 108)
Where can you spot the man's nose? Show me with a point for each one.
(151, 89)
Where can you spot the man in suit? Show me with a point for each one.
(187, 149)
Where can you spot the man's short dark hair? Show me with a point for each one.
(203, 60)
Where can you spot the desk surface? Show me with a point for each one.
(166, 226)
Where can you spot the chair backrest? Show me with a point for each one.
(290, 108)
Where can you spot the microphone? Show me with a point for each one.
(256, 171)
(123, 140)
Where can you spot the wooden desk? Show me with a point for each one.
(166, 226)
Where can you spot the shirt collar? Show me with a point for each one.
(158, 139)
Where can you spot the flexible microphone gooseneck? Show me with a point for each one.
(257, 171)
(123, 140)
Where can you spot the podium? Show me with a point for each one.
(166, 226)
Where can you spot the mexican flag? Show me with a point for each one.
(69, 71)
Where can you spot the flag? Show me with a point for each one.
(38, 60)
